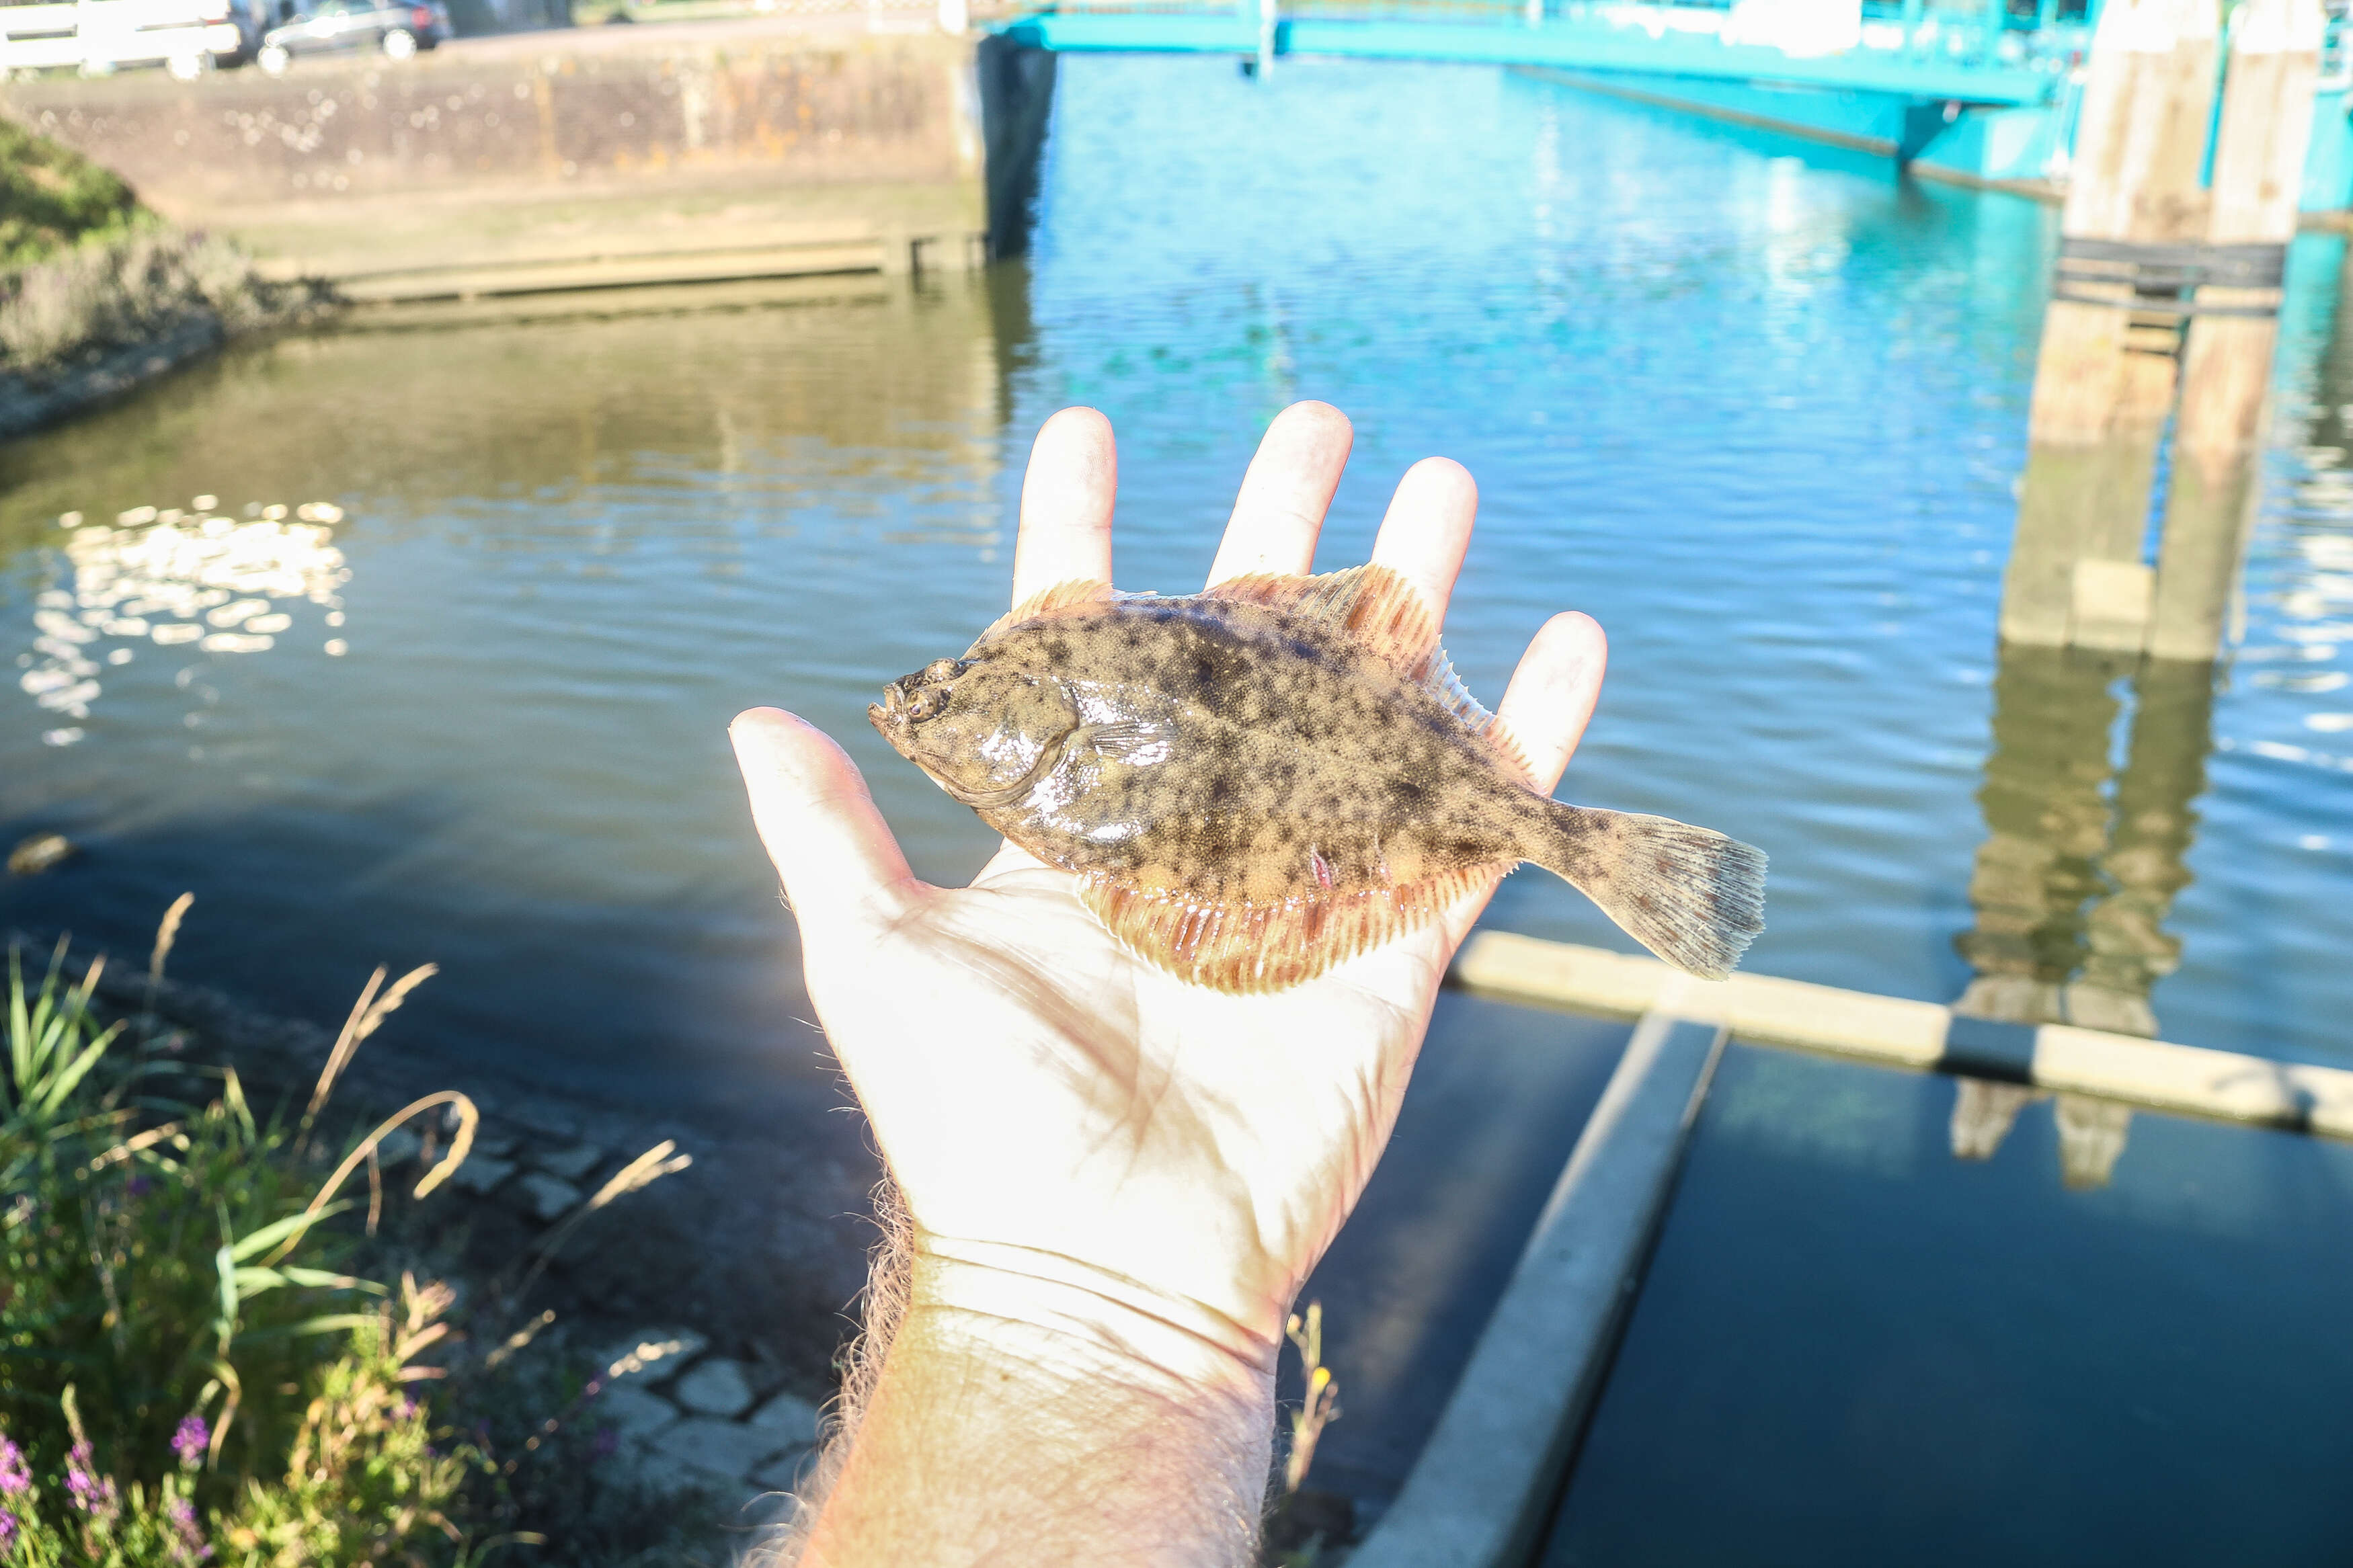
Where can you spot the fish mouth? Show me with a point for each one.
(890, 715)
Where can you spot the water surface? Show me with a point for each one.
(1758, 405)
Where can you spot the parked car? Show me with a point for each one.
(398, 27)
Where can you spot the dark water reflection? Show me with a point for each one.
(1852, 1349)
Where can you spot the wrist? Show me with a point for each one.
(1064, 1316)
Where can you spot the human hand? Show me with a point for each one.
(1085, 1144)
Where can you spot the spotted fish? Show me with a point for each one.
(1254, 783)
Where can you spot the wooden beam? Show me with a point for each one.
(1760, 1009)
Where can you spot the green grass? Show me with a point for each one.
(52, 199)
(86, 271)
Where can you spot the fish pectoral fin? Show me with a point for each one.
(1121, 741)
(1234, 946)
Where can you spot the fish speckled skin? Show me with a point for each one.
(1259, 780)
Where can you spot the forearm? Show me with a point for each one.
(1035, 1415)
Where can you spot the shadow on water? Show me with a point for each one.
(1497, 1101)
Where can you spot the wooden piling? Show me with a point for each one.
(2104, 378)
(2258, 174)
(2147, 99)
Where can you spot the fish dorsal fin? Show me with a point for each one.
(1370, 606)
(1439, 677)
(1074, 598)
(1382, 610)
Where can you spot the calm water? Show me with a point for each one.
(1758, 405)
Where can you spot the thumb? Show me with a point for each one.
(830, 845)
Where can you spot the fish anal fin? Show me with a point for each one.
(1075, 597)
(1244, 948)
(1371, 605)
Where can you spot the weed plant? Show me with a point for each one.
(201, 1359)
(85, 270)
(128, 290)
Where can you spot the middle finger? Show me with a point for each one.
(1280, 508)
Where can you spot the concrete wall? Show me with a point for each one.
(597, 141)
(547, 108)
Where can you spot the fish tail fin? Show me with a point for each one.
(1694, 896)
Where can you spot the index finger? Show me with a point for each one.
(1066, 504)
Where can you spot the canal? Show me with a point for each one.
(1758, 405)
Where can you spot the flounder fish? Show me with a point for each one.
(1257, 782)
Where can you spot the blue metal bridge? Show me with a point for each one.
(1910, 55)
(1988, 97)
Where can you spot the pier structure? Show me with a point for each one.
(2164, 307)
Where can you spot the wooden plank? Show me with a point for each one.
(2218, 1084)
(1761, 1009)
(547, 277)
(1480, 1491)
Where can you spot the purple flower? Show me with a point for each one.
(93, 1494)
(190, 1547)
(191, 1440)
(16, 1475)
(7, 1530)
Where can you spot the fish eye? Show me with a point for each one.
(943, 669)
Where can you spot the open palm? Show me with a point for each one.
(1044, 1097)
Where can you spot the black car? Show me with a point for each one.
(321, 26)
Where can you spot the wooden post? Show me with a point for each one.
(2105, 379)
(2259, 155)
(2074, 378)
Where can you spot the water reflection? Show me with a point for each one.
(2082, 861)
(571, 554)
(172, 579)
